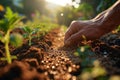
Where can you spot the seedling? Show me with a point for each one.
(7, 24)
(84, 39)
(118, 29)
(39, 30)
(84, 52)
(29, 32)
(94, 72)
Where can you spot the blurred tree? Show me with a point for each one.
(66, 15)
(70, 13)
(98, 5)
(26, 7)
(31, 6)
(2, 12)
(7, 3)
(11, 4)
(104, 4)
(85, 10)
(93, 3)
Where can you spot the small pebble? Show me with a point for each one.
(56, 64)
(105, 56)
(48, 67)
(74, 78)
(69, 69)
(53, 67)
(46, 73)
(105, 53)
(42, 61)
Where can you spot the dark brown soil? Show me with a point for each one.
(107, 50)
(43, 60)
(47, 59)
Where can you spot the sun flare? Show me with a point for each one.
(60, 2)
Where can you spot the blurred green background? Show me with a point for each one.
(43, 11)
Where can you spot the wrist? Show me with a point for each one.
(107, 26)
(110, 19)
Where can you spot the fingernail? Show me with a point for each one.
(67, 43)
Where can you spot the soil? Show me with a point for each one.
(48, 59)
(107, 50)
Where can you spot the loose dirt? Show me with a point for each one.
(47, 59)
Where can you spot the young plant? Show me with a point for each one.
(84, 52)
(118, 29)
(7, 24)
(29, 32)
(91, 67)
(96, 72)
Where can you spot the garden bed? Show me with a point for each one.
(48, 59)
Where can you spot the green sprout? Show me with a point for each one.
(84, 52)
(118, 29)
(84, 39)
(96, 72)
(39, 30)
(29, 32)
(7, 24)
(91, 67)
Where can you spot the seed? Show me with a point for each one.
(53, 67)
(74, 66)
(77, 66)
(105, 56)
(46, 73)
(74, 78)
(105, 53)
(69, 69)
(48, 67)
(68, 76)
(42, 61)
(46, 61)
(56, 64)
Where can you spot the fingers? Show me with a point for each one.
(90, 33)
(68, 33)
(74, 39)
(73, 28)
(70, 30)
(74, 33)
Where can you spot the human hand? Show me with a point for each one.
(90, 29)
(94, 28)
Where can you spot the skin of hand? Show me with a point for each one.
(77, 29)
(94, 28)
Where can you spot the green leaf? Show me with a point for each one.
(14, 20)
(16, 39)
(27, 29)
(25, 35)
(4, 25)
(9, 13)
(10, 20)
(4, 58)
(1, 36)
(35, 30)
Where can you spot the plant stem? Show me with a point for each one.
(30, 40)
(8, 56)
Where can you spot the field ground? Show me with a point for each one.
(48, 59)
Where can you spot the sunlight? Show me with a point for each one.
(60, 2)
